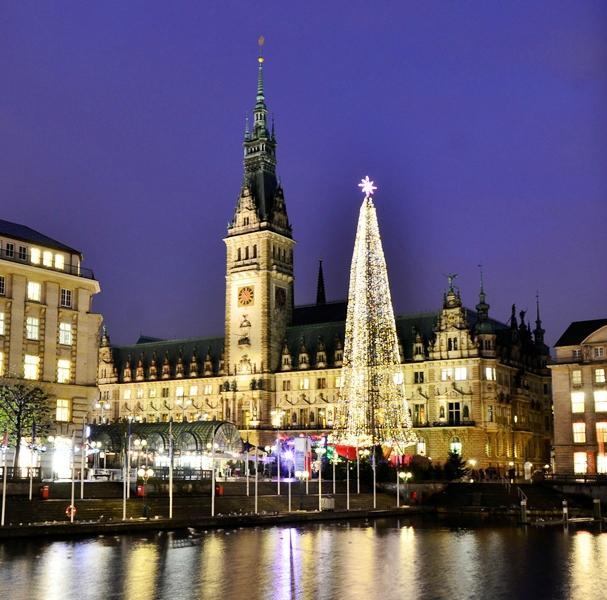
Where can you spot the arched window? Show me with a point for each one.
(455, 446)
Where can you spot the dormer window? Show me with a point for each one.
(35, 256)
(22, 252)
(245, 221)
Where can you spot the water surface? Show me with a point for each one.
(387, 559)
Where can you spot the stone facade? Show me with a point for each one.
(48, 332)
(579, 387)
(473, 383)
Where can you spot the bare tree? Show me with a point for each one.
(24, 411)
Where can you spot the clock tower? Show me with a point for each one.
(259, 272)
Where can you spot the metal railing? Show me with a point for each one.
(20, 473)
(76, 270)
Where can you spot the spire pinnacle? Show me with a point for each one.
(321, 297)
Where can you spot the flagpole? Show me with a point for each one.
(4, 471)
(347, 483)
(32, 454)
(171, 468)
(82, 457)
(73, 477)
(256, 477)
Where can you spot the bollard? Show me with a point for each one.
(596, 509)
(524, 511)
(565, 512)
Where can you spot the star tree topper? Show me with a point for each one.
(367, 186)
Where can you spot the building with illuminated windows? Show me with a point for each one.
(49, 335)
(473, 384)
(579, 384)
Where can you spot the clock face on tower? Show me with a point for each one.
(245, 296)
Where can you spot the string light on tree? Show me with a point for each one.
(372, 409)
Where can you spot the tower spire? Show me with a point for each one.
(482, 308)
(321, 297)
(260, 103)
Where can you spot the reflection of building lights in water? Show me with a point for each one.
(62, 462)
(141, 570)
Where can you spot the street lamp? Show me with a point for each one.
(403, 476)
(302, 476)
(101, 406)
(141, 448)
(145, 473)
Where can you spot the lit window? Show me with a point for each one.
(208, 389)
(35, 256)
(22, 252)
(600, 400)
(577, 402)
(59, 261)
(576, 377)
(461, 373)
(193, 390)
(1, 364)
(577, 354)
(30, 366)
(32, 328)
(455, 446)
(579, 433)
(139, 393)
(66, 298)
(490, 373)
(47, 258)
(65, 334)
(63, 370)
(152, 393)
(398, 378)
(127, 394)
(62, 412)
(179, 392)
(1, 323)
(601, 438)
(599, 352)
(580, 463)
(2, 285)
(34, 291)
(446, 374)
(338, 382)
(421, 447)
(304, 383)
(599, 376)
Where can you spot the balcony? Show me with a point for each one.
(67, 269)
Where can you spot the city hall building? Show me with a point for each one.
(474, 384)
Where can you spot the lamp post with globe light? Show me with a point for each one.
(101, 407)
(145, 473)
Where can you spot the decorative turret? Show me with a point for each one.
(338, 354)
(485, 332)
(321, 355)
(221, 367)
(126, 372)
(153, 367)
(208, 363)
(106, 369)
(418, 345)
(285, 360)
(139, 374)
(193, 371)
(166, 367)
(105, 338)
(179, 368)
(303, 358)
(452, 337)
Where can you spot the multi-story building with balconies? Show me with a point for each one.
(48, 332)
(474, 384)
(579, 387)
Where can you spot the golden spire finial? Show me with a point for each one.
(260, 42)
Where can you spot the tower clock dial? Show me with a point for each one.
(245, 296)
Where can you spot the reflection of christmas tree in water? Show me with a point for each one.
(372, 409)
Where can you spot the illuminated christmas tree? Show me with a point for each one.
(372, 409)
